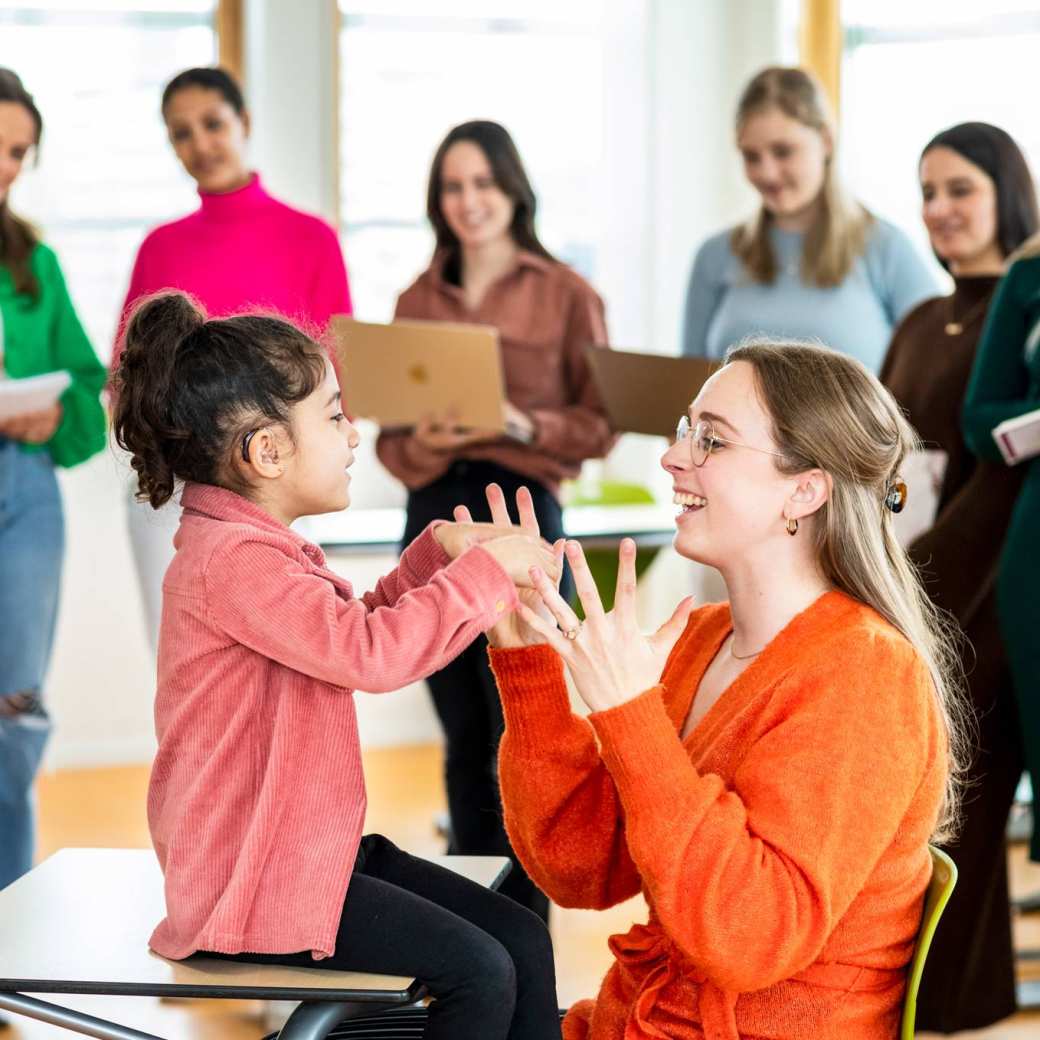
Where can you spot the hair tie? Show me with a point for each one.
(895, 494)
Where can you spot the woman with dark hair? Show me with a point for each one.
(39, 333)
(490, 268)
(979, 205)
(241, 249)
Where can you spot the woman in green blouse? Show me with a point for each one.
(39, 332)
(1005, 383)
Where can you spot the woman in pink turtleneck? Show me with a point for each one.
(241, 250)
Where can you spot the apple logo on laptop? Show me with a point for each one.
(418, 373)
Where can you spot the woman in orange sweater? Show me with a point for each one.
(767, 771)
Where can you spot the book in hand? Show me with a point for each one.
(1019, 438)
(34, 394)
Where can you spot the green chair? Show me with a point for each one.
(940, 888)
(603, 562)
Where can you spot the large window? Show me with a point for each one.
(106, 173)
(411, 70)
(911, 70)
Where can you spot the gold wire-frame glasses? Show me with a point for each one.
(704, 440)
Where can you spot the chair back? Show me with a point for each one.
(940, 888)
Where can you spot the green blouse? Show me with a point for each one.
(1005, 381)
(45, 335)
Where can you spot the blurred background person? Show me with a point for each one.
(490, 268)
(812, 262)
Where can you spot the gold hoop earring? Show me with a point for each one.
(792, 526)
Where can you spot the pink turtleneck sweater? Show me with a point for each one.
(245, 251)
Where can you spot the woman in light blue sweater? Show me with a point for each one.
(811, 263)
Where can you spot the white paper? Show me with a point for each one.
(21, 396)
(1019, 439)
(923, 473)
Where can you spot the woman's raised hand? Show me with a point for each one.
(609, 658)
(511, 631)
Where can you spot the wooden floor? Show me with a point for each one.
(105, 807)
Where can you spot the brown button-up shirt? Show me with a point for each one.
(545, 314)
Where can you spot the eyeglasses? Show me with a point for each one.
(704, 440)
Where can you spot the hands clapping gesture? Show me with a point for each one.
(610, 660)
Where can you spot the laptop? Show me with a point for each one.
(397, 374)
(646, 393)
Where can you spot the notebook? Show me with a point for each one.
(1019, 439)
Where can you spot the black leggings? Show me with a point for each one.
(464, 692)
(487, 961)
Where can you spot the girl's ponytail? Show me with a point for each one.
(158, 330)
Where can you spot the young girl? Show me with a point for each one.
(257, 798)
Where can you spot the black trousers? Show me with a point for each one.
(487, 961)
(969, 977)
(464, 692)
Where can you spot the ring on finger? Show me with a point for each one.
(572, 633)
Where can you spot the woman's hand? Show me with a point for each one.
(441, 434)
(33, 427)
(511, 631)
(610, 660)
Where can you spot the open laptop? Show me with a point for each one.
(646, 393)
(399, 373)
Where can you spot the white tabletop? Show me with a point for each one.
(375, 530)
(80, 923)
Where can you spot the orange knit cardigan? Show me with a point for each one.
(782, 848)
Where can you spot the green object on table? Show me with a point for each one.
(603, 563)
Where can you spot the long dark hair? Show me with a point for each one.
(994, 151)
(189, 389)
(508, 170)
(18, 238)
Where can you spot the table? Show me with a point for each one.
(358, 531)
(80, 923)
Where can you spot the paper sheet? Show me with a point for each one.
(21, 396)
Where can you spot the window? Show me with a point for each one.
(911, 70)
(408, 76)
(106, 173)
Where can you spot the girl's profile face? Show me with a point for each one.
(17, 137)
(316, 476)
(785, 161)
(959, 208)
(738, 495)
(475, 208)
(209, 137)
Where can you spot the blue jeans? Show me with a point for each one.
(32, 545)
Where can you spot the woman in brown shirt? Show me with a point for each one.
(489, 268)
(979, 205)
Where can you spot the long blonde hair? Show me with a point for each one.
(839, 235)
(828, 412)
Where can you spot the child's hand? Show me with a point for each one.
(456, 538)
(511, 630)
(517, 553)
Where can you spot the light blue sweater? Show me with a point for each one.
(723, 303)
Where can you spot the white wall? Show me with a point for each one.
(694, 54)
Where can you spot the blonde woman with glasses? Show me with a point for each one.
(811, 263)
(767, 772)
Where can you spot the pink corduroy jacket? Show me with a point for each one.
(257, 799)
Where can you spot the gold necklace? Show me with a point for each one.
(741, 657)
(955, 328)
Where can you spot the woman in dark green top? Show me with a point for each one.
(39, 333)
(1005, 383)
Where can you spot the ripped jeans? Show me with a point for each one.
(32, 546)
